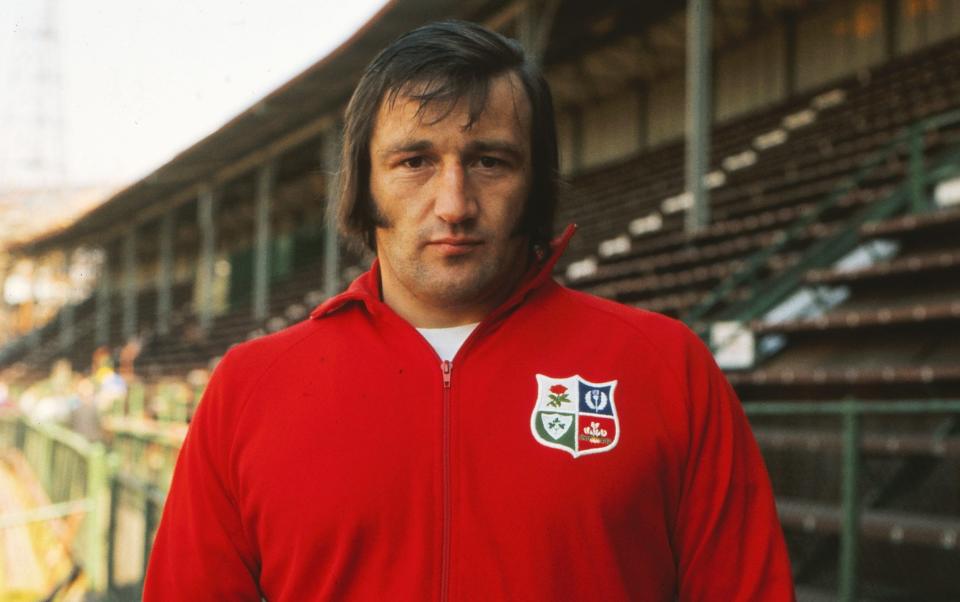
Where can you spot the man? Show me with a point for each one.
(456, 425)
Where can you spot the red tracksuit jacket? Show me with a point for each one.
(577, 449)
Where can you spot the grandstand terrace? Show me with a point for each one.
(825, 275)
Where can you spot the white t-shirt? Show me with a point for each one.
(447, 341)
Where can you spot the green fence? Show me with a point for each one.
(74, 474)
(144, 456)
(122, 493)
(135, 504)
(851, 412)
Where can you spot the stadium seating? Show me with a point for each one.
(885, 320)
(187, 348)
(653, 263)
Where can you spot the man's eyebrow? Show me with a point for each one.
(407, 146)
(502, 146)
(473, 148)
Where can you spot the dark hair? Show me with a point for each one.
(445, 62)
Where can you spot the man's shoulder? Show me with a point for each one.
(255, 356)
(245, 366)
(635, 321)
(643, 337)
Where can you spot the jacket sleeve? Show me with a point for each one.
(727, 538)
(201, 551)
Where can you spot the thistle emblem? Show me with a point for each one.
(558, 395)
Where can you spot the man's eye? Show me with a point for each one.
(489, 162)
(413, 162)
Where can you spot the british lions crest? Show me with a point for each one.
(575, 415)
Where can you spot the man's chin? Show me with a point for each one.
(459, 289)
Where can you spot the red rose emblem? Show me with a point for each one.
(557, 396)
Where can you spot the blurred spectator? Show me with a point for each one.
(50, 399)
(110, 387)
(101, 361)
(85, 418)
(197, 379)
(128, 356)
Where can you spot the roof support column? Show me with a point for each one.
(790, 53)
(67, 329)
(66, 314)
(205, 213)
(165, 273)
(533, 27)
(130, 283)
(699, 37)
(102, 336)
(330, 163)
(891, 28)
(261, 258)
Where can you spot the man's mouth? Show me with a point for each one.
(454, 245)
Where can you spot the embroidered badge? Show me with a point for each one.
(575, 415)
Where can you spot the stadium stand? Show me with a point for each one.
(781, 184)
(178, 353)
(886, 324)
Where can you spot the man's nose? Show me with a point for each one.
(453, 203)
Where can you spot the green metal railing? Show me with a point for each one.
(73, 472)
(172, 401)
(108, 490)
(144, 453)
(851, 411)
(81, 477)
(912, 194)
(147, 499)
(119, 493)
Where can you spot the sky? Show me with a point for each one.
(144, 79)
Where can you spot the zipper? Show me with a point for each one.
(446, 367)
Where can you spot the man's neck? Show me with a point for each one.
(426, 315)
(422, 313)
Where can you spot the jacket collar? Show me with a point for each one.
(366, 288)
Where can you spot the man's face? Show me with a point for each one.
(449, 199)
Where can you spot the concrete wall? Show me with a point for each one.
(184, 267)
(924, 22)
(751, 76)
(667, 109)
(839, 39)
(612, 128)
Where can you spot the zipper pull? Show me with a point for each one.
(446, 366)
